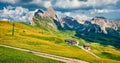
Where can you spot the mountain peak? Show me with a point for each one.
(38, 12)
(50, 9)
(49, 13)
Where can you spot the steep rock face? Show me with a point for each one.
(45, 18)
(50, 13)
(104, 23)
(81, 26)
(93, 24)
(96, 25)
(38, 12)
(69, 23)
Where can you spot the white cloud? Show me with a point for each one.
(60, 14)
(82, 17)
(44, 3)
(67, 4)
(47, 4)
(64, 3)
(67, 13)
(80, 4)
(75, 14)
(110, 1)
(9, 1)
(16, 14)
(104, 11)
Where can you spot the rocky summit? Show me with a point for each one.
(104, 23)
(49, 13)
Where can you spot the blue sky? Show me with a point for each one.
(22, 10)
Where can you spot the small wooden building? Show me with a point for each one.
(87, 46)
(72, 42)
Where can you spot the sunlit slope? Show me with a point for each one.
(8, 55)
(44, 40)
(106, 51)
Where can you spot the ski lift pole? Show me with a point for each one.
(13, 24)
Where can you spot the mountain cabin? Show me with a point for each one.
(72, 42)
(87, 46)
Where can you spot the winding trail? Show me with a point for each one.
(59, 58)
(81, 47)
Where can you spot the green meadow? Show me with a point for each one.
(8, 55)
(47, 40)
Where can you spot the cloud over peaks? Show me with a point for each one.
(71, 7)
(74, 4)
(10, 1)
(16, 14)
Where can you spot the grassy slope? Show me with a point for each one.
(106, 51)
(14, 56)
(51, 42)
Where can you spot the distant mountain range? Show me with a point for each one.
(98, 29)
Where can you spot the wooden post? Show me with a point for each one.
(13, 29)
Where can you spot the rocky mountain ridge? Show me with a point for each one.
(98, 29)
(96, 24)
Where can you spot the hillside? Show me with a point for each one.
(98, 29)
(48, 40)
(14, 56)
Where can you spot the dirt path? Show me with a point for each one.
(59, 58)
(88, 51)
